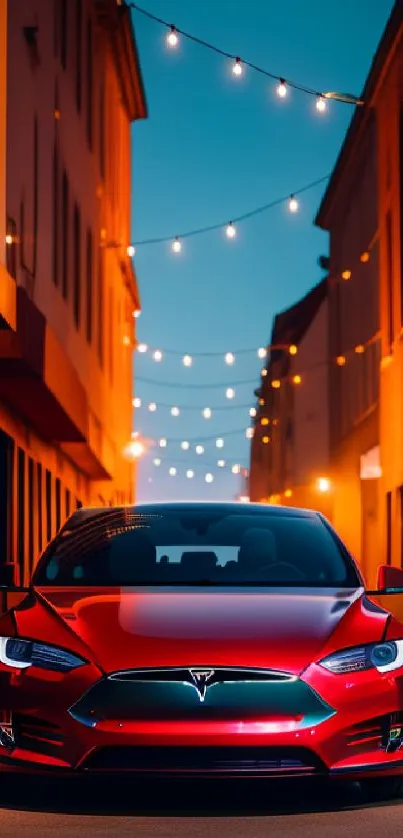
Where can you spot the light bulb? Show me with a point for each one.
(172, 38)
(131, 251)
(135, 450)
(252, 412)
(152, 407)
(297, 379)
(221, 463)
(262, 352)
(175, 411)
(137, 313)
(207, 413)
(9, 238)
(162, 443)
(157, 355)
(199, 449)
(323, 484)
(209, 478)
(231, 231)
(249, 433)
(236, 469)
(219, 443)
(293, 349)
(142, 347)
(157, 461)
(190, 473)
(276, 384)
(230, 358)
(136, 402)
(321, 104)
(282, 89)
(230, 392)
(187, 360)
(126, 340)
(185, 446)
(263, 373)
(293, 204)
(172, 472)
(237, 68)
(176, 245)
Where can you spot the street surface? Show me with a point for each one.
(247, 810)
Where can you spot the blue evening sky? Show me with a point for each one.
(215, 146)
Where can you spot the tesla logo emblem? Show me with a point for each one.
(200, 680)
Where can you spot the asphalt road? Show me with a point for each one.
(247, 810)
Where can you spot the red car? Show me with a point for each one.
(201, 639)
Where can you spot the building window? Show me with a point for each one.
(65, 235)
(63, 33)
(389, 528)
(49, 516)
(11, 252)
(78, 504)
(55, 220)
(21, 506)
(101, 292)
(67, 500)
(111, 335)
(77, 264)
(58, 497)
(389, 280)
(40, 506)
(102, 129)
(89, 260)
(89, 84)
(79, 53)
(31, 514)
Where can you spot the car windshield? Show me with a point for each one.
(196, 547)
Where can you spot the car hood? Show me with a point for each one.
(283, 629)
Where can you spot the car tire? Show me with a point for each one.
(379, 789)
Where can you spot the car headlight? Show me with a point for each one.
(20, 654)
(385, 657)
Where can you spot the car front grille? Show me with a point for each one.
(264, 761)
(38, 735)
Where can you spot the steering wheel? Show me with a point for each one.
(295, 571)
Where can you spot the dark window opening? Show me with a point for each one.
(65, 236)
(31, 515)
(58, 499)
(63, 32)
(79, 53)
(89, 85)
(49, 516)
(68, 502)
(21, 513)
(40, 506)
(77, 265)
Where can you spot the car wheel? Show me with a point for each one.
(378, 789)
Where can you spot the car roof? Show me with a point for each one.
(224, 508)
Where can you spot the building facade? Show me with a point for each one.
(70, 89)
(290, 446)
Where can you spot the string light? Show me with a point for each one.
(230, 392)
(321, 104)
(175, 411)
(152, 407)
(293, 204)
(346, 98)
(9, 239)
(157, 461)
(237, 68)
(293, 349)
(173, 471)
(221, 463)
(131, 251)
(296, 379)
(231, 231)
(209, 478)
(219, 443)
(282, 89)
(176, 243)
(262, 352)
(187, 360)
(236, 469)
(346, 275)
(190, 473)
(252, 412)
(185, 446)
(230, 358)
(137, 313)
(172, 38)
(199, 449)
(157, 355)
(249, 433)
(136, 402)
(142, 348)
(162, 443)
(207, 413)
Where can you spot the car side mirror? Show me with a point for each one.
(389, 577)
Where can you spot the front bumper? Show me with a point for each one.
(319, 725)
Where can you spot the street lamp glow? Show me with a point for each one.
(323, 484)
